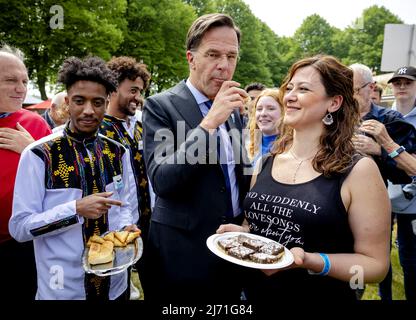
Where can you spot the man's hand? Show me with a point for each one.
(228, 98)
(131, 228)
(366, 145)
(95, 205)
(15, 140)
(378, 131)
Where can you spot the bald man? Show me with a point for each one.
(18, 128)
(58, 113)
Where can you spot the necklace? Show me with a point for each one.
(299, 164)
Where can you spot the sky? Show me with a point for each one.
(285, 16)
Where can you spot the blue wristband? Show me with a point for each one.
(327, 266)
(396, 152)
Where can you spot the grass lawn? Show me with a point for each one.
(371, 290)
(136, 280)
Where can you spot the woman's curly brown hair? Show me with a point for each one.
(337, 150)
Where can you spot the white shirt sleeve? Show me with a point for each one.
(37, 211)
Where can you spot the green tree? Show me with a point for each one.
(252, 66)
(275, 50)
(365, 37)
(89, 28)
(314, 36)
(289, 52)
(155, 33)
(202, 7)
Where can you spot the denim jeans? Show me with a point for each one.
(406, 236)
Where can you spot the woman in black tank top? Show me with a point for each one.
(316, 196)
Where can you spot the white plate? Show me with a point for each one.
(212, 244)
(124, 257)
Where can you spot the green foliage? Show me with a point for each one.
(252, 66)
(90, 28)
(202, 7)
(156, 34)
(154, 31)
(274, 49)
(365, 38)
(314, 36)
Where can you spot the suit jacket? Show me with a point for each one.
(190, 197)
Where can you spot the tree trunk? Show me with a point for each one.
(41, 85)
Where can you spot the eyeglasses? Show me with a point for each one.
(357, 90)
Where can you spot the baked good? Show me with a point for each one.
(122, 236)
(240, 252)
(109, 236)
(242, 238)
(260, 257)
(272, 248)
(228, 243)
(101, 249)
(253, 243)
(95, 238)
(132, 235)
(100, 253)
(94, 248)
(249, 248)
(118, 243)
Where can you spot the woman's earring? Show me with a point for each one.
(328, 119)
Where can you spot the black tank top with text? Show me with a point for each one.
(310, 215)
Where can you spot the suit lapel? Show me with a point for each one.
(186, 105)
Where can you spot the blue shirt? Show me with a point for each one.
(267, 143)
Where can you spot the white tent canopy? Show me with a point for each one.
(32, 100)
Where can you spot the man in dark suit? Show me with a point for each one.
(196, 193)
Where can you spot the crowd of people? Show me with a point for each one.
(207, 156)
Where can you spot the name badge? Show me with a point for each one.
(141, 145)
(118, 182)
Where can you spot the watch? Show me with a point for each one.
(396, 152)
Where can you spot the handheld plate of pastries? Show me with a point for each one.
(250, 250)
(112, 252)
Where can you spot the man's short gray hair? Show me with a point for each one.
(5, 48)
(363, 70)
(58, 98)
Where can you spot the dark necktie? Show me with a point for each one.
(224, 167)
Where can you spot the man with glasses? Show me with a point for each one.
(384, 134)
(372, 113)
(194, 199)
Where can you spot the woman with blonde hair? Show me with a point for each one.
(264, 123)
